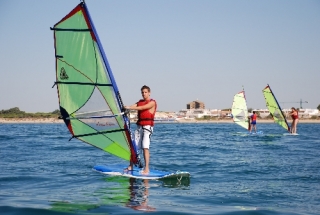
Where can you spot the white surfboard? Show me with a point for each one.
(119, 170)
(290, 134)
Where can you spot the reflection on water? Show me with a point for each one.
(65, 206)
(139, 193)
(176, 182)
(139, 190)
(121, 191)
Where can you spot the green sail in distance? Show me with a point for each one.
(89, 99)
(239, 110)
(274, 108)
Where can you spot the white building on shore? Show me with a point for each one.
(200, 113)
(192, 114)
(264, 113)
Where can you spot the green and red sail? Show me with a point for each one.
(89, 99)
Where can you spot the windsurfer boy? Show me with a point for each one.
(146, 108)
(295, 118)
(253, 121)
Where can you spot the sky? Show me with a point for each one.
(184, 50)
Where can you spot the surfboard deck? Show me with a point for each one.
(290, 134)
(249, 134)
(119, 170)
(255, 133)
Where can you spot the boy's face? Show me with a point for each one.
(145, 94)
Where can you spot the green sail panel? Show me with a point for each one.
(239, 110)
(274, 108)
(86, 93)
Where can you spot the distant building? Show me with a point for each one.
(196, 105)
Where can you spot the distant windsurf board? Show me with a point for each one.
(249, 133)
(256, 133)
(290, 134)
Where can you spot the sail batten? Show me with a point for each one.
(274, 108)
(69, 29)
(95, 117)
(98, 133)
(89, 99)
(82, 83)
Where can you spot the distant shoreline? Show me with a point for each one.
(55, 120)
(30, 120)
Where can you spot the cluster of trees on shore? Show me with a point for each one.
(17, 113)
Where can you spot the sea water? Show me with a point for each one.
(42, 172)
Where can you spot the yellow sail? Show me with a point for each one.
(274, 108)
(239, 110)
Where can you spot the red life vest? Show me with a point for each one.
(144, 116)
(295, 115)
(254, 117)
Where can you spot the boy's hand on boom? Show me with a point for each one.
(126, 110)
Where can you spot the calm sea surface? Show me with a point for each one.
(41, 172)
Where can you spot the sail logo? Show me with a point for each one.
(240, 115)
(63, 74)
(105, 124)
(277, 114)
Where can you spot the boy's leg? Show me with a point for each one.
(146, 155)
(147, 132)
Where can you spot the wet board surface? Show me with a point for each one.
(119, 170)
(289, 134)
(248, 133)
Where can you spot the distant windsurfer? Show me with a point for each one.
(295, 118)
(253, 119)
(146, 108)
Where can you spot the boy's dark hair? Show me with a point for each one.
(145, 87)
